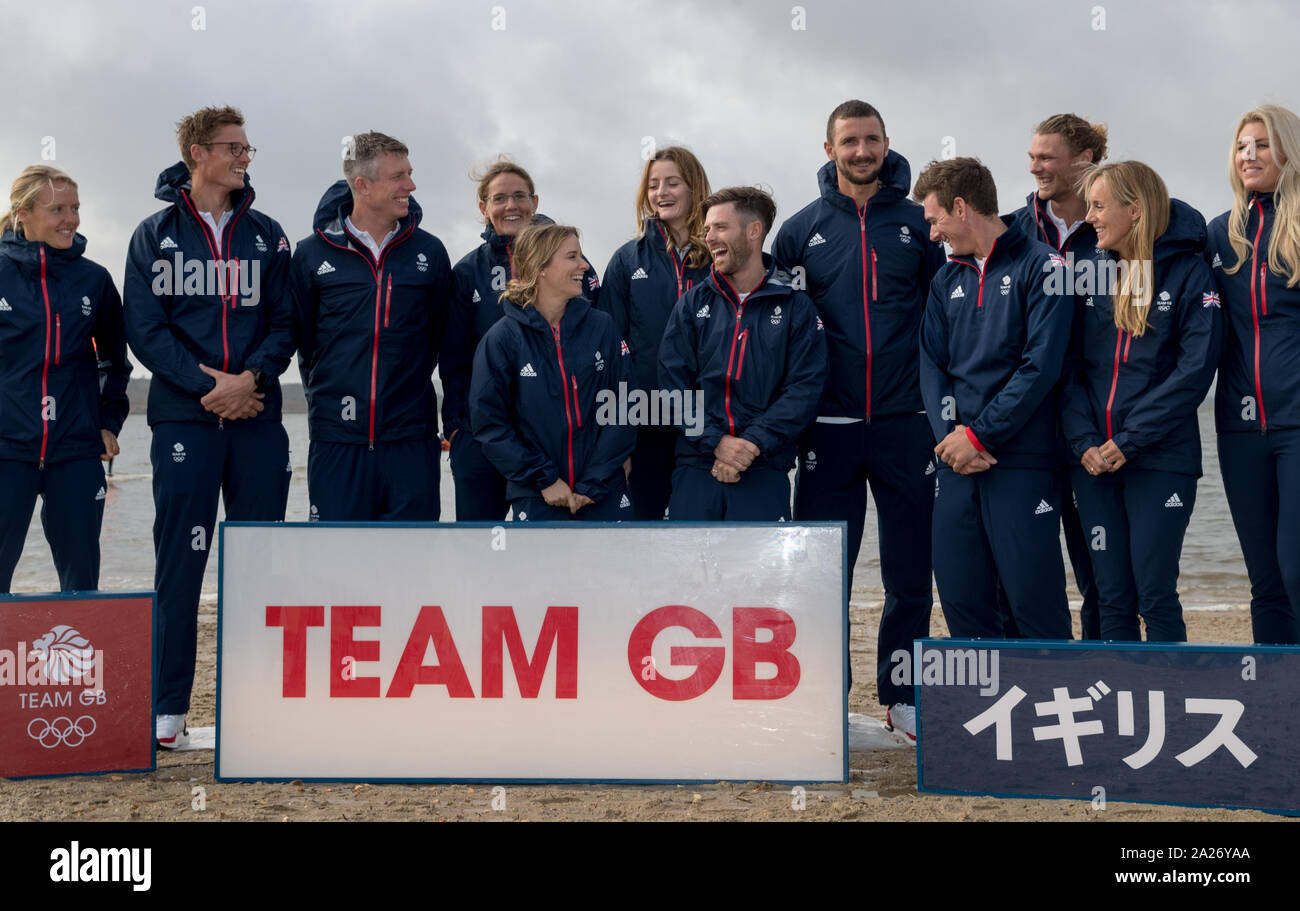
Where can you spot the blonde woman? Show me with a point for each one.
(1145, 353)
(60, 329)
(644, 279)
(1254, 250)
(540, 375)
(507, 201)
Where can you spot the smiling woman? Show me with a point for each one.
(62, 331)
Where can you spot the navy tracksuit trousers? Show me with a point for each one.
(650, 485)
(1135, 520)
(895, 457)
(246, 463)
(394, 482)
(616, 507)
(72, 511)
(480, 488)
(1261, 477)
(761, 495)
(1000, 526)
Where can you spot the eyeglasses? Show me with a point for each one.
(236, 149)
(517, 198)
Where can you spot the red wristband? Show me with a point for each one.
(974, 440)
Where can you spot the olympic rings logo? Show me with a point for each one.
(61, 730)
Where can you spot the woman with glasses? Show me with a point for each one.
(1254, 251)
(540, 377)
(643, 280)
(1144, 358)
(507, 201)
(60, 333)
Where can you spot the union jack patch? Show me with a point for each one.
(623, 345)
(820, 327)
(593, 283)
(282, 246)
(1210, 299)
(1058, 260)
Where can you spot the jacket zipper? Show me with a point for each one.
(678, 266)
(564, 390)
(1254, 314)
(58, 338)
(210, 239)
(866, 296)
(577, 408)
(1114, 381)
(740, 367)
(45, 370)
(388, 300)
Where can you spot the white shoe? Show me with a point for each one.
(902, 718)
(170, 732)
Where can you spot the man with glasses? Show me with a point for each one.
(208, 312)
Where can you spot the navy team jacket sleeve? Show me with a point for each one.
(305, 301)
(786, 249)
(273, 355)
(494, 418)
(614, 441)
(147, 324)
(936, 385)
(457, 360)
(801, 387)
(109, 334)
(1078, 422)
(1048, 319)
(616, 300)
(679, 368)
(1200, 324)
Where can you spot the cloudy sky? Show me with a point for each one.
(573, 89)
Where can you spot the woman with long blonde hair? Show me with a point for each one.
(542, 380)
(1145, 348)
(1254, 251)
(644, 279)
(60, 330)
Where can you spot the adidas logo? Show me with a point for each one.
(4, 306)
(1217, 264)
(102, 493)
(1173, 502)
(929, 468)
(624, 503)
(527, 370)
(956, 293)
(703, 312)
(167, 244)
(639, 273)
(325, 268)
(475, 299)
(816, 239)
(1042, 508)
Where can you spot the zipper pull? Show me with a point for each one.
(221, 423)
(41, 466)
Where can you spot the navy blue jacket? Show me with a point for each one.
(992, 349)
(761, 365)
(478, 280)
(1142, 392)
(177, 319)
(538, 401)
(60, 334)
(643, 280)
(369, 332)
(868, 271)
(1259, 374)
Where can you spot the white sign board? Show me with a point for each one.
(532, 652)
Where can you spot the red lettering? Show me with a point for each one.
(295, 619)
(746, 652)
(559, 630)
(412, 672)
(346, 651)
(707, 660)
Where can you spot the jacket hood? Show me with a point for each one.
(1185, 234)
(895, 181)
(336, 204)
(574, 312)
(177, 178)
(24, 251)
(498, 241)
